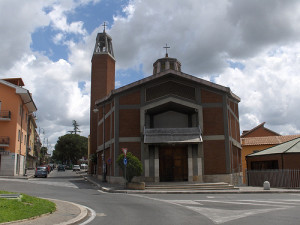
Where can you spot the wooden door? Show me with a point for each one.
(173, 165)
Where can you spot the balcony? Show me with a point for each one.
(172, 135)
(4, 141)
(5, 115)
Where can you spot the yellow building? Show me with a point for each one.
(31, 157)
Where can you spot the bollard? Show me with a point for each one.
(266, 185)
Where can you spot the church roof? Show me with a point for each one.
(163, 74)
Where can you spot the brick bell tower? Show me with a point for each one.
(102, 79)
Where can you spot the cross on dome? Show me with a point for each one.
(166, 47)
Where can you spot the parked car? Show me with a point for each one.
(61, 168)
(41, 171)
(76, 168)
(83, 166)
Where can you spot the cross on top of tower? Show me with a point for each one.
(166, 47)
(104, 25)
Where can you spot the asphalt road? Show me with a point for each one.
(162, 209)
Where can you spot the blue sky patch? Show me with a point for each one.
(234, 65)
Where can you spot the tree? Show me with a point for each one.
(134, 166)
(43, 152)
(70, 148)
(75, 128)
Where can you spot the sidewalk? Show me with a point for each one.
(111, 188)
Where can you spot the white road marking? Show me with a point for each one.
(219, 216)
(281, 202)
(210, 197)
(101, 214)
(91, 218)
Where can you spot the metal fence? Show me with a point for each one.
(278, 178)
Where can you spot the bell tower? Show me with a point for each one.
(102, 79)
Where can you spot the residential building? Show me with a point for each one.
(32, 154)
(278, 164)
(16, 104)
(260, 138)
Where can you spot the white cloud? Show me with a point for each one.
(203, 35)
(269, 87)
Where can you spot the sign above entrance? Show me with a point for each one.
(124, 150)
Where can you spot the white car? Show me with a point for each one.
(76, 168)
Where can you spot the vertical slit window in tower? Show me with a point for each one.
(163, 66)
(155, 70)
(172, 67)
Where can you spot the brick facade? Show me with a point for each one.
(168, 101)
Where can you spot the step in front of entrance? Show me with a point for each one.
(190, 186)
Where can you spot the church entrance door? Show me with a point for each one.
(173, 163)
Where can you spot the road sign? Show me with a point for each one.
(125, 161)
(124, 150)
(109, 161)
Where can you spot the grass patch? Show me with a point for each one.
(27, 207)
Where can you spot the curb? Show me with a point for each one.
(109, 190)
(82, 215)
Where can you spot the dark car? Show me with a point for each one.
(61, 168)
(41, 171)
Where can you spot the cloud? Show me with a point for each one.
(18, 23)
(269, 87)
(250, 46)
(202, 34)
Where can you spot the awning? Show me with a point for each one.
(172, 135)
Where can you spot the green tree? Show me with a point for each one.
(43, 152)
(134, 166)
(75, 128)
(70, 148)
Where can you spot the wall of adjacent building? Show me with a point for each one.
(17, 145)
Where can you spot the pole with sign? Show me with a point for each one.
(125, 164)
(124, 150)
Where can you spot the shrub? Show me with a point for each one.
(134, 166)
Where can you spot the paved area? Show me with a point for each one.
(66, 213)
(71, 213)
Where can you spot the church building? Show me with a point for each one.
(181, 127)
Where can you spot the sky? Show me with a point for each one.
(253, 47)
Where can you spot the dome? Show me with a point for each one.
(165, 64)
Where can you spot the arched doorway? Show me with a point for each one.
(173, 163)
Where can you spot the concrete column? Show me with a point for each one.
(156, 164)
(199, 162)
(190, 163)
(146, 162)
